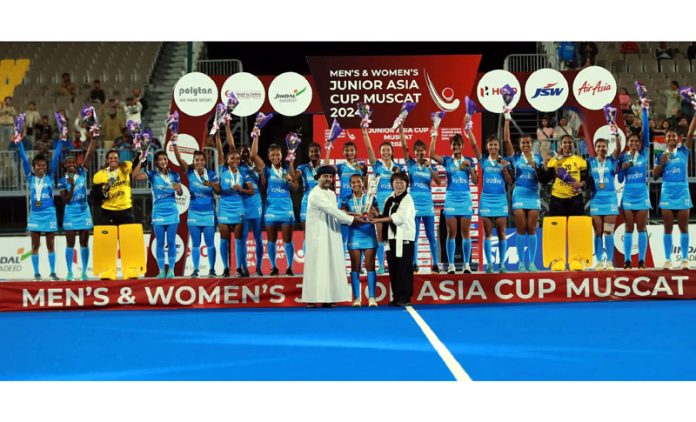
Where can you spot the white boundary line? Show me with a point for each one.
(452, 364)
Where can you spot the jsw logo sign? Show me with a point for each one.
(548, 91)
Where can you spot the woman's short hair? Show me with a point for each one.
(400, 176)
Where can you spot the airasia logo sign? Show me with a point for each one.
(594, 87)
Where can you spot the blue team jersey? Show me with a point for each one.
(525, 174)
(364, 235)
(279, 206)
(676, 165)
(307, 172)
(345, 171)
(384, 189)
(202, 196)
(457, 179)
(603, 186)
(40, 190)
(164, 209)
(253, 205)
(637, 173)
(79, 197)
(419, 189)
(493, 180)
(228, 179)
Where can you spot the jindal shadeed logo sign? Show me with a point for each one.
(594, 87)
(488, 90)
(290, 94)
(195, 94)
(187, 146)
(248, 89)
(13, 263)
(546, 90)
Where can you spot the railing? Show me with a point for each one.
(13, 182)
(526, 62)
(219, 67)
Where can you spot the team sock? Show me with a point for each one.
(609, 247)
(355, 282)
(239, 252)
(69, 255)
(502, 251)
(289, 253)
(684, 240)
(466, 251)
(380, 254)
(196, 256)
(598, 248)
(521, 244)
(532, 247)
(52, 261)
(84, 253)
(371, 283)
(272, 253)
(35, 262)
(667, 243)
(225, 253)
(628, 246)
(642, 245)
(449, 246)
(486, 251)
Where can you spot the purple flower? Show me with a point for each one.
(610, 114)
(641, 89)
(508, 94)
(172, 122)
(470, 106)
(262, 119)
(405, 109)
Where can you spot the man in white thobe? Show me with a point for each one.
(324, 279)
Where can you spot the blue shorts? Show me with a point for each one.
(77, 217)
(230, 213)
(424, 205)
(201, 218)
(675, 196)
(165, 219)
(279, 223)
(253, 207)
(635, 197)
(493, 205)
(363, 236)
(276, 215)
(525, 199)
(43, 220)
(458, 204)
(606, 204)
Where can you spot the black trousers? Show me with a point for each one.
(116, 218)
(401, 271)
(565, 207)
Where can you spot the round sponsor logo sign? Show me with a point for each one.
(187, 146)
(594, 87)
(605, 132)
(182, 202)
(546, 90)
(249, 91)
(195, 94)
(488, 90)
(290, 94)
(180, 249)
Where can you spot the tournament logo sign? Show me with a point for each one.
(195, 94)
(187, 146)
(546, 90)
(488, 90)
(594, 87)
(248, 89)
(435, 83)
(290, 94)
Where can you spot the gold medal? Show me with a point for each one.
(601, 185)
(205, 182)
(38, 204)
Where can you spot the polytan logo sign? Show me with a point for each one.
(605, 132)
(187, 146)
(195, 94)
(434, 83)
(594, 87)
(183, 200)
(488, 90)
(546, 90)
(180, 249)
(248, 89)
(290, 94)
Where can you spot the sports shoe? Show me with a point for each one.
(69, 277)
(37, 277)
(451, 269)
(274, 271)
(226, 272)
(489, 269)
(53, 277)
(289, 272)
(502, 269)
(532, 268)
(522, 268)
(356, 303)
(371, 302)
(608, 266)
(685, 265)
(161, 274)
(259, 272)
(212, 273)
(380, 271)
(170, 274)
(194, 274)
(238, 272)
(667, 266)
(84, 277)
(467, 269)
(245, 272)
(415, 269)
(435, 269)
(627, 265)
(641, 265)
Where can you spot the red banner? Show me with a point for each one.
(286, 291)
(385, 82)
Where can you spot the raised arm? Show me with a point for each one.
(56, 157)
(230, 137)
(690, 134)
(292, 178)
(646, 127)
(509, 149)
(431, 149)
(90, 150)
(260, 165)
(218, 146)
(182, 163)
(404, 144)
(25, 160)
(368, 145)
(434, 175)
(472, 139)
(138, 173)
(617, 151)
(474, 174)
